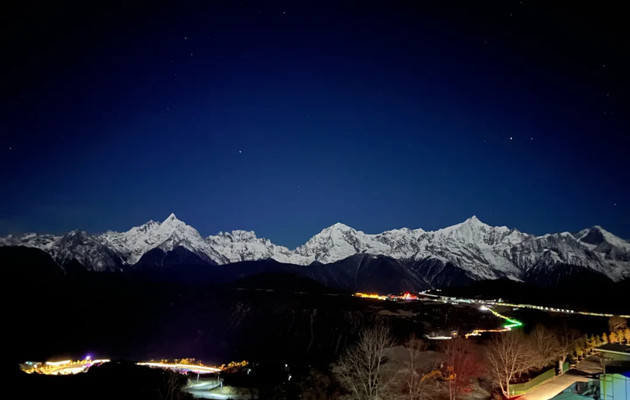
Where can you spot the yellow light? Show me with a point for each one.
(370, 296)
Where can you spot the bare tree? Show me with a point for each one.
(317, 386)
(172, 386)
(568, 340)
(615, 323)
(509, 355)
(546, 344)
(359, 369)
(415, 379)
(463, 362)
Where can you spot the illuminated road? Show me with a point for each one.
(406, 296)
(204, 388)
(203, 391)
(65, 367)
(485, 305)
(200, 389)
(490, 303)
(588, 366)
(512, 323)
(182, 367)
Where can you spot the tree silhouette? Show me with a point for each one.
(568, 340)
(414, 380)
(509, 356)
(359, 369)
(547, 346)
(464, 362)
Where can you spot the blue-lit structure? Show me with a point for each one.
(615, 386)
(613, 383)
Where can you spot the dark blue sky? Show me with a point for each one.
(285, 118)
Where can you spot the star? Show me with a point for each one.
(511, 137)
(240, 152)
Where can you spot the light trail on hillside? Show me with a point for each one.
(182, 368)
(512, 323)
(63, 367)
(71, 367)
(406, 296)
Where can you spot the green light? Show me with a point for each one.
(513, 323)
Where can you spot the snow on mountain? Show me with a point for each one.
(602, 241)
(474, 231)
(337, 242)
(479, 250)
(44, 242)
(171, 233)
(340, 241)
(476, 247)
(242, 245)
(613, 251)
(86, 249)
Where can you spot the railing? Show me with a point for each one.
(521, 388)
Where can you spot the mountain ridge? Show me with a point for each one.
(478, 250)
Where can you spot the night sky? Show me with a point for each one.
(286, 117)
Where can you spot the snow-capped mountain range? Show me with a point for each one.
(479, 250)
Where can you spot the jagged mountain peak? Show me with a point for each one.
(480, 250)
(172, 225)
(237, 234)
(474, 221)
(470, 230)
(76, 233)
(338, 227)
(600, 237)
(470, 224)
(166, 235)
(171, 219)
(403, 232)
(148, 225)
(336, 234)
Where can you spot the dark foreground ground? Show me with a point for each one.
(267, 319)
